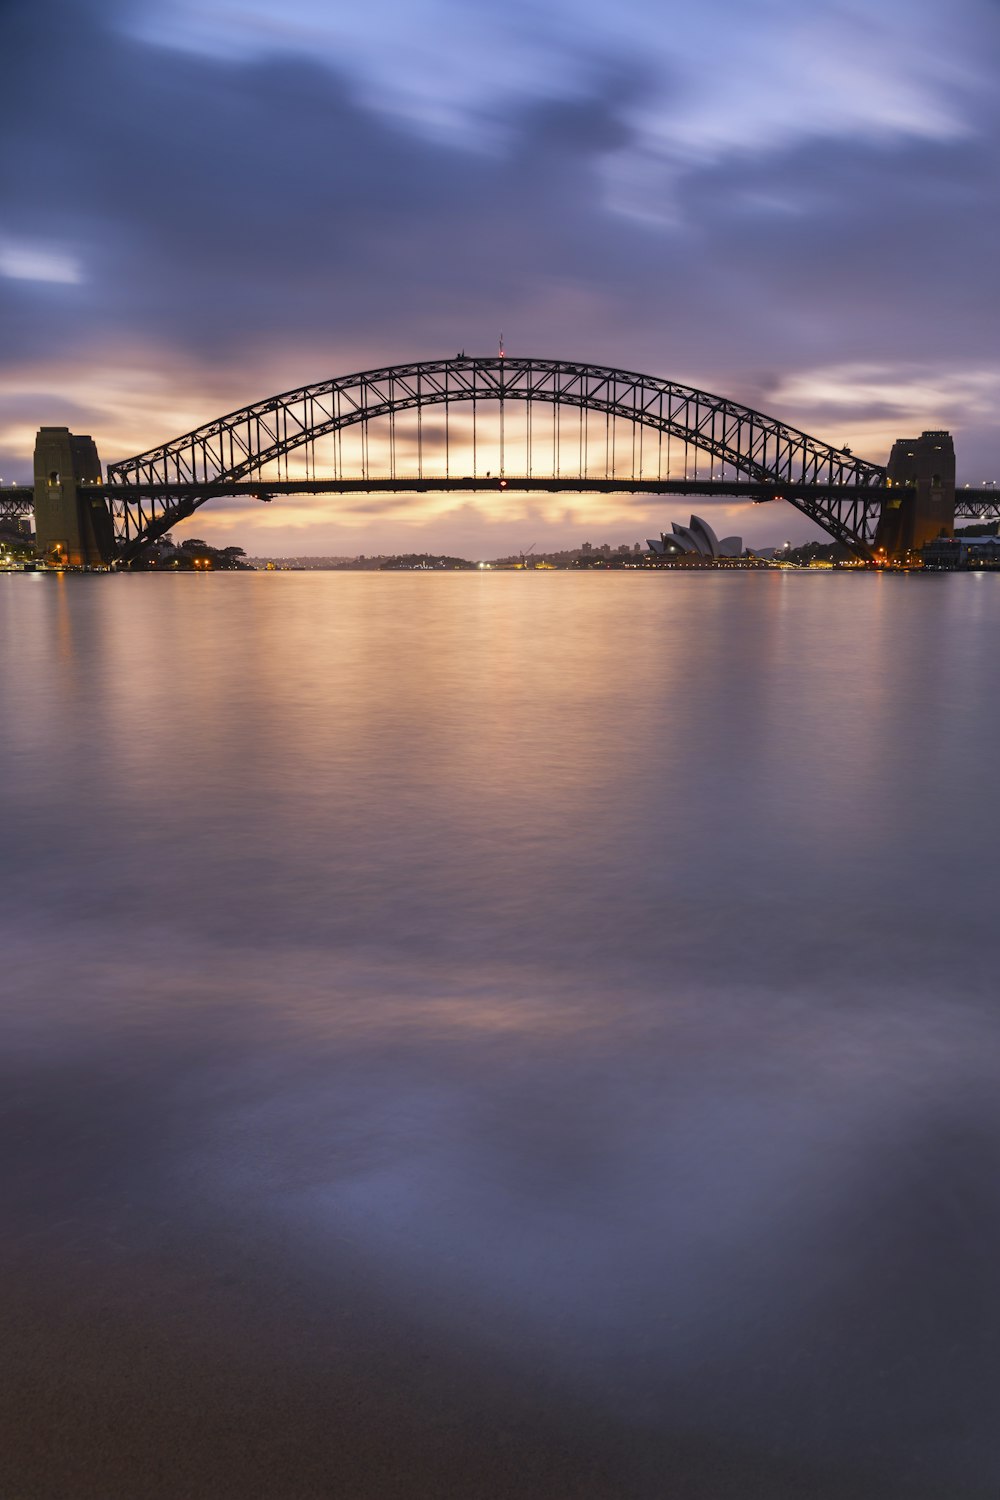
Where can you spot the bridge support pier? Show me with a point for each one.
(72, 523)
(927, 466)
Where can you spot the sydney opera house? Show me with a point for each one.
(695, 544)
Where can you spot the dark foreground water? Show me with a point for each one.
(500, 1036)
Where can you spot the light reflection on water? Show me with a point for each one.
(507, 1035)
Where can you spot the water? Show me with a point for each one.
(500, 1036)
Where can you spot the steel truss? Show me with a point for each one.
(978, 505)
(151, 492)
(17, 502)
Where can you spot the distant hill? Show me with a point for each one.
(424, 562)
(383, 563)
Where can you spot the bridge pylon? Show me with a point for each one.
(926, 465)
(72, 520)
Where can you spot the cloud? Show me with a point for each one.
(250, 217)
(21, 262)
(728, 73)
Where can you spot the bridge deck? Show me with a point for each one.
(491, 484)
(969, 500)
(980, 503)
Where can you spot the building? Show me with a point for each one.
(954, 554)
(696, 542)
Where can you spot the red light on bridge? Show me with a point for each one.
(503, 484)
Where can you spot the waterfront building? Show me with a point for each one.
(961, 553)
(696, 540)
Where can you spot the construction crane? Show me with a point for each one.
(524, 554)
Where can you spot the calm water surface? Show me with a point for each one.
(504, 1036)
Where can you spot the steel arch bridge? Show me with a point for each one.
(676, 430)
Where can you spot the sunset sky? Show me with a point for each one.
(206, 202)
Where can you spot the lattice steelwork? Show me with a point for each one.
(978, 504)
(16, 503)
(675, 421)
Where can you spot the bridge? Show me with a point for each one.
(490, 424)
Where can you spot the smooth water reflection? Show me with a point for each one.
(503, 1036)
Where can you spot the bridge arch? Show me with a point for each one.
(157, 488)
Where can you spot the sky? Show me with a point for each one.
(205, 203)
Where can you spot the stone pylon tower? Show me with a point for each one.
(72, 522)
(910, 519)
